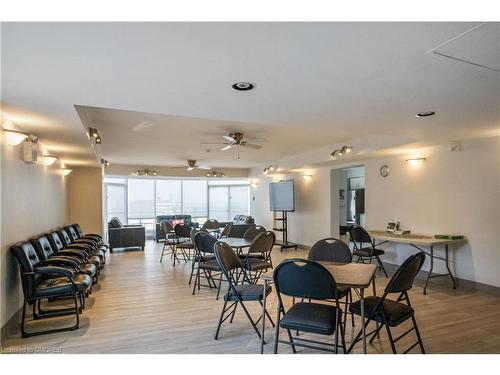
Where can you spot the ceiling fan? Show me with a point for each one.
(234, 139)
(192, 165)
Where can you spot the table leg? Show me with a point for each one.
(263, 318)
(363, 323)
(448, 268)
(430, 271)
(375, 294)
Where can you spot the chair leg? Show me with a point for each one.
(376, 333)
(391, 341)
(337, 332)
(420, 343)
(196, 280)
(381, 266)
(250, 318)
(220, 320)
(291, 341)
(277, 330)
(218, 289)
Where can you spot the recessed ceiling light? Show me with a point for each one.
(426, 114)
(243, 86)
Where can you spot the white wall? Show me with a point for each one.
(453, 192)
(33, 201)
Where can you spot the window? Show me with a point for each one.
(168, 197)
(140, 200)
(194, 198)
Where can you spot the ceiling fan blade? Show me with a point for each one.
(190, 168)
(204, 167)
(213, 143)
(226, 148)
(230, 139)
(250, 145)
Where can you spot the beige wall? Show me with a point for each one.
(453, 192)
(33, 201)
(85, 199)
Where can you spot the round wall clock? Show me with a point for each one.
(385, 170)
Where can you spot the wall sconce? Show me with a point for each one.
(48, 160)
(269, 169)
(416, 161)
(307, 177)
(14, 137)
(66, 171)
(146, 172)
(340, 152)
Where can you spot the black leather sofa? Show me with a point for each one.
(121, 236)
(187, 219)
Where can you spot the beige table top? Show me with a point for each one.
(348, 275)
(238, 243)
(414, 239)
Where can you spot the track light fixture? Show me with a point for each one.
(14, 137)
(340, 152)
(146, 172)
(49, 159)
(94, 134)
(215, 174)
(270, 169)
(105, 163)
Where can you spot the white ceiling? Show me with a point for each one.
(317, 84)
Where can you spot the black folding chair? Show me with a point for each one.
(237, 293)
(360, 236)
(171, 241)
(258, 257)
(184, 244)
(208, 268)
(227, 229)
(253, 232)
(391, 313)
(334, 250)
(300, 278)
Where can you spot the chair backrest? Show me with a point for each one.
(55, 241)
(227, 258)
(253, 232)
(78, 230)
(227, 229)
(182, 230)
(204, 242)
(193, 233)
(64, 237)
(211, 224)
(330, 250)
(263, 243)
(359, 234)
(403, 278)
(303, 278)
(166, 227)
(42, 247)
(27, 258)
(71, 232)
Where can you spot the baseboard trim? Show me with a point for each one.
(11, 328)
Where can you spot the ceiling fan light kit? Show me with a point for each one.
(340, 152)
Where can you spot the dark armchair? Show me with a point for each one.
(120, 235)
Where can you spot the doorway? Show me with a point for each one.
(348, 199)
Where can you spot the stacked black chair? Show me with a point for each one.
(334, 250)
(226, 231)
(207, 268)
(184, 244)
(197, 257)
(86, 254)
(253, 232)
(300, 278)
(45, 253)
(80, 234)
(47, 281)
(391, 313)
(238, 293)
(258, 258)
(360, 236)
(211, 224)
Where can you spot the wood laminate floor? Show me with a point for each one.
(143, 306)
